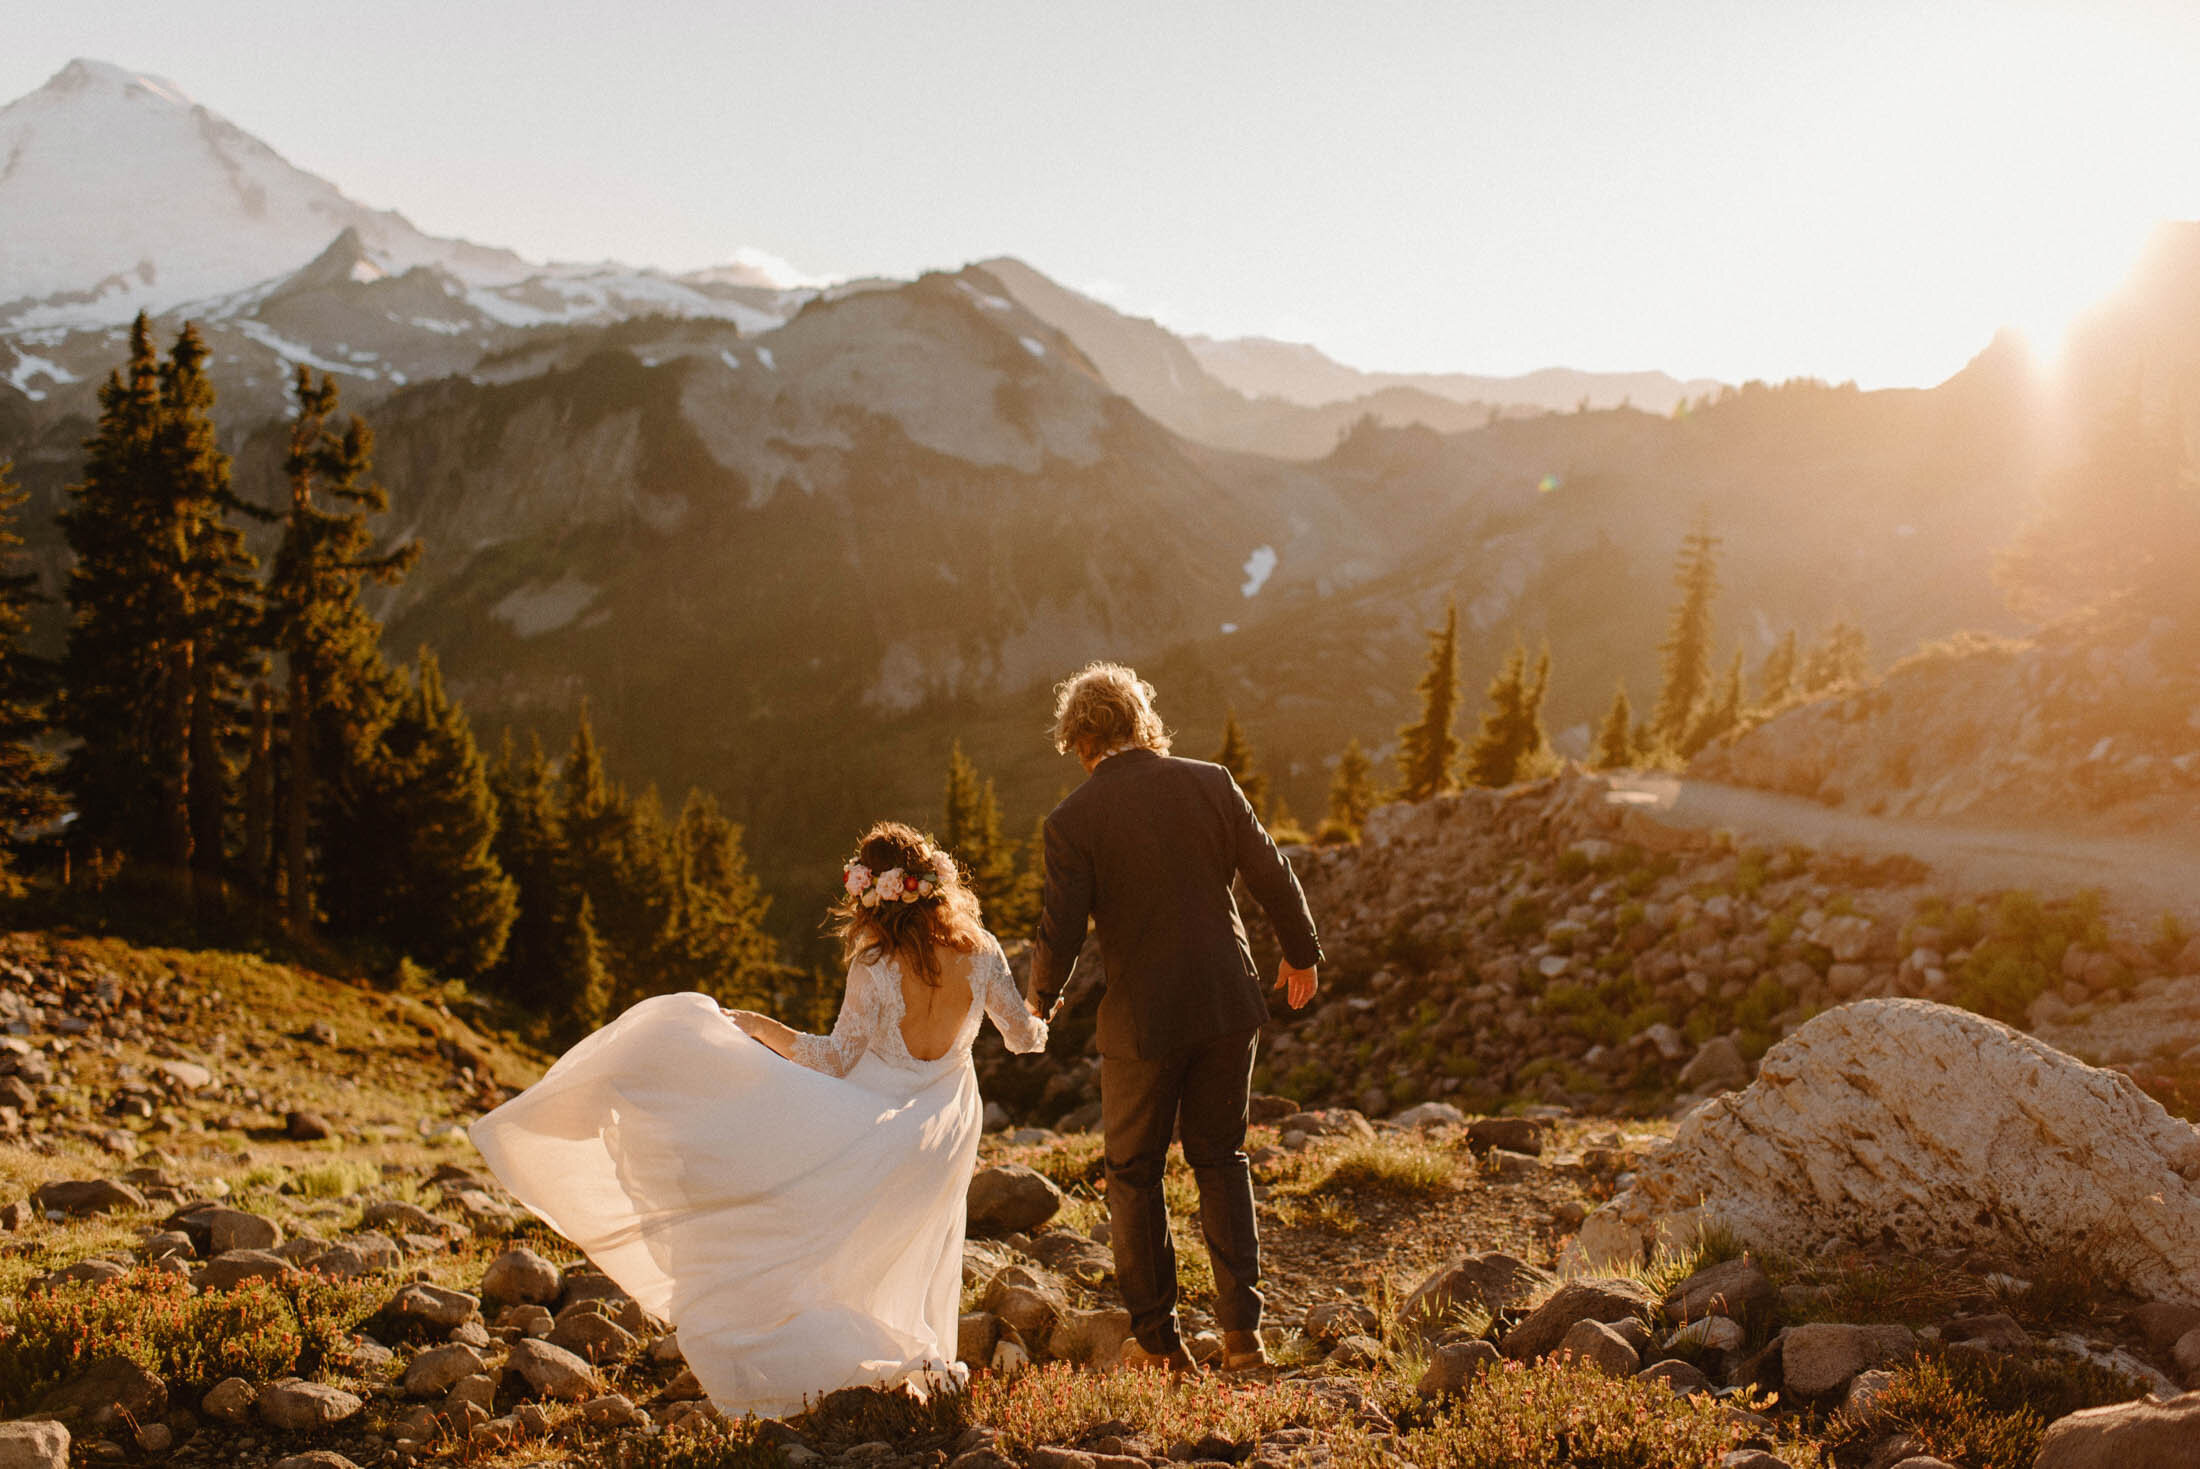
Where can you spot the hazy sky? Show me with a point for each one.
(1753, 189)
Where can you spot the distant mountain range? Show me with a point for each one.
(793, 541)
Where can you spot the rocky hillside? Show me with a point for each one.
(2099, 730)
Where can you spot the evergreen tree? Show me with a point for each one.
(27, 796)
(1512, 734)
(1615, 737)
(1841, 658)
(529, 847)
(579, 980)
(418, 869)
(1776, 675)
(162, 607)
(1236, 756)
(1427, 747)
(720, 945)
(341, 692)
(1721, 714)
(971, 832)
(640, 902)
(1351, 789)
(1687, 645)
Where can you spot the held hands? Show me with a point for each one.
(1298, 985)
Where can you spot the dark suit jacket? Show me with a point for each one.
(1147, 848)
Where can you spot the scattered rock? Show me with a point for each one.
(1513, 1134)
(298, 1407)
(1682, 1377)
(1490, 1282)
(1009, 1198)
(233, 1229)
(1358, 1351)
(87, 1196)
(1610, 1299)
(1716, 1066)
(100, 1398)
(1028, 1300)
(432, 1305)
(1429, 1114)
(522, 1277)
(1333, 1321)
(315, 1459)
(1730, 1288)
(1452, 1367)
(2137, 1435)
(1090, 1338)
(227, 1272)
(1711, 1333)
(1601, 1347)
(587, 1332)
(1823, 1357)
(552, 1371)
(229, 1400)
(1998, 1332)
(432, 1372)
(2164, 1323)
(976, 1334)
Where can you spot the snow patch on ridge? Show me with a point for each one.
(532, 611)
(1259, 566)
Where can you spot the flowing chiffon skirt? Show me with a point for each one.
(802, 1232)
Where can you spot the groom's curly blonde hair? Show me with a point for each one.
(1103, 705)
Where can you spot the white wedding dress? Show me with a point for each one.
(801, 1225)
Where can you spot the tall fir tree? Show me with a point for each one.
(1615, 748)
(342, 693)
(1721, 714)
(529, 847)
(163, 612)
(1351, 789)
(970, 829)
(580, 984)
(1687, 645)
(1428, 746)
(418, 871)
(1776, 675)
(721, 945)
(28, 799)
(1236, 756)
(1512, 734)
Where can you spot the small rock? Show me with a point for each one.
(1717, 1065)
(432, 1305)
(976, 1334)
(478, 1391)
(1333, 1321)
(2164, 1323)
(1716, 1333)
(297, 1406)
(1601, 1347)
(522, 1277)
(552, 1371)
(1491, 1282)
(588, 1333)
(307, 1127)
(1009, 1198)
(1997, 1331)
(1866, 1389)
(613, 1410)
(1090, 1338)
(315, 1459)
(2186, 1354)
(103, 1396)
(1430, 1114)
(1358, 1351)
(1513, 1134)
(1451, 1368)
(1597, 1299)
(1730, 1288)
(234, 1229)
(526, 1320)
(227, 1272)
(398, 1217)
(229, 1400)
(434, 1370)
(1822, 1357)
(152, 1438)
(1682, 1377)
(87, 1196)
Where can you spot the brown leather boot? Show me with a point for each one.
(1242, 1351)
(1176, 1360)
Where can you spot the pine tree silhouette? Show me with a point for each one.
(1427, 747)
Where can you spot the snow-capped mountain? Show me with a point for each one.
(121, 194)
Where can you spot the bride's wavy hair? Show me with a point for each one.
(914, 932)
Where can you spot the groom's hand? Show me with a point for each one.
(1298, 985)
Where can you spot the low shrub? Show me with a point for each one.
(1055, 1403)
(1988, 1411)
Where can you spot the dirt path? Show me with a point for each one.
(2142, 877)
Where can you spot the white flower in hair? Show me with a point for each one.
(888, 885)
(855, 877)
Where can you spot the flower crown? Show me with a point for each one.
(894, 885)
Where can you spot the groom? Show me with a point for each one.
(1147, 848)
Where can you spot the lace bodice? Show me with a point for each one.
(871, 1015)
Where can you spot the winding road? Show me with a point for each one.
(2142, 877)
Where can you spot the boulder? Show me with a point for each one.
(1824, 1357)
(1029, 1300)
(1451, 1368)
(87, 1196)
(1430, 1114)
(306, 1127)
(976, 1334)
(233, 1229)
(1009, 1198)
(1601, 1347)
(520, 1277)
(1681, 1377)
(1904, 1123)
(1333, 1321)
(2143, 1434)
(398, 1217)
(100, 1398)
(34, 1446)
(586, 1332)
(1490, 1282)
(552, 1371)
(300, 1407)
(1605, 1300)
(1716, 1066)
(2164, 1323)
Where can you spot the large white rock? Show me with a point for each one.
(1918, 1125)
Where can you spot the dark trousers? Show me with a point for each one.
(1206, 1085)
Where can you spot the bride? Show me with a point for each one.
(801, 1224)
